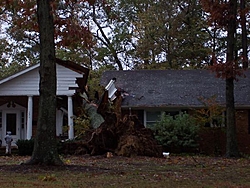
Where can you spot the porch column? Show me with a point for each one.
(29, 117)
(70, 118)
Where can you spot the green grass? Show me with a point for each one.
(138, 172)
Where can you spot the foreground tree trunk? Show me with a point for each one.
(232, 146)
(45, 147)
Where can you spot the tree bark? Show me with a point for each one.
(45, 146)
(232, 146)
(244, 33)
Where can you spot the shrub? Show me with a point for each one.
(179, 133)
(25, 147)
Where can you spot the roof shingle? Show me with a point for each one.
(175, 88)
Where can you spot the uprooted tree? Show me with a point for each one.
(121, 135)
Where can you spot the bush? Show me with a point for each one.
(177, 134)
(25, 147)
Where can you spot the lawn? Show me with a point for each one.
(100, 171)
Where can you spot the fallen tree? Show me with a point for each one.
(123, 136)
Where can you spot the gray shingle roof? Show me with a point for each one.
(175, 88)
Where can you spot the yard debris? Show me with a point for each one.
(166, 154)
(109, 154)
(122, 135)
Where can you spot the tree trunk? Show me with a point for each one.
(244, 33)
(232, 146)
(45, 147)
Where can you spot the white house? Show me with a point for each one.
(19, 96)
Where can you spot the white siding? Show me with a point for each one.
(25, 84)
(28, 83)
(66, 78)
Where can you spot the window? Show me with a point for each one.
(152, 117)
(217, 121)
(172, 113)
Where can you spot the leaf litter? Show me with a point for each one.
(103, 171)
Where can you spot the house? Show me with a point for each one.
(19, 97)
(148, 93)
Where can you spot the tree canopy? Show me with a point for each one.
(151, 34)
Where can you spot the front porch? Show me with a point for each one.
(19, 114)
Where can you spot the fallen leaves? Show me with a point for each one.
(51, 177)
(177, 171)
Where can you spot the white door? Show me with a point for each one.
(12, 124)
